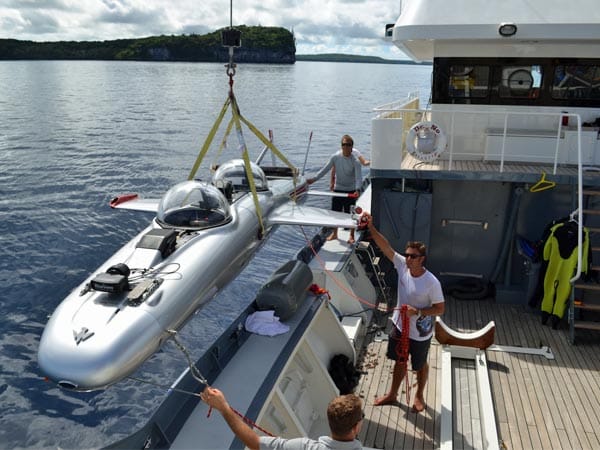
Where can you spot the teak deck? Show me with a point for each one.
(539, 403)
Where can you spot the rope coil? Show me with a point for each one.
(402, 347)
(318, 290)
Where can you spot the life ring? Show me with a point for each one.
(426, 141)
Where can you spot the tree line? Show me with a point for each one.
(258, 44)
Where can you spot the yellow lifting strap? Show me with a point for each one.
(237, 119)
(269, 144)
(224, 141)
(238, 128)
(209, 139)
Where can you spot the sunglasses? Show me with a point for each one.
(346, 144)
(411, 255)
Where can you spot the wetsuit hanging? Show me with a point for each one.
(560, 251)
(538, 294)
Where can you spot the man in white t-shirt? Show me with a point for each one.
(422, 292)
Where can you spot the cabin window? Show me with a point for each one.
(557, 82)
(520, 81)
(576, 82)
(469, 81)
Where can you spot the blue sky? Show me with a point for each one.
(320, 26)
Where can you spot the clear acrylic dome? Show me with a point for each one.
(193, 205)
(235, 172)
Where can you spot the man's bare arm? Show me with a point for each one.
(380, 239)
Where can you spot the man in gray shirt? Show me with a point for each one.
(348, 179)
(344, 414)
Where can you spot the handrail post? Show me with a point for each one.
(579, 202)
(504, 141)
(557, 144)
(451, 141)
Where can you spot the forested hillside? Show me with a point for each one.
(259, 44)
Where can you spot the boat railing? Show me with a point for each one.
(474, 130)
(410, 102)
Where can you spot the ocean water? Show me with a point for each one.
(73, 134)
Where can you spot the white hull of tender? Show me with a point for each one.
(96, 338)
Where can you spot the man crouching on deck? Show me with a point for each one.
(421, 291)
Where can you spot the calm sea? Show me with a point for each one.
(75, 134)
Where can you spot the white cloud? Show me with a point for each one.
(336, 26)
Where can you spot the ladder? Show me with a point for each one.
(372, 263)
(584, 305)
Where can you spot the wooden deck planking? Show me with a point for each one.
(539, 403)
(567, 396)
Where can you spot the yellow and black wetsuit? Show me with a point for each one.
(560, 251)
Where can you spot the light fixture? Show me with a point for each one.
(507, 29)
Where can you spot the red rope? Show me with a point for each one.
(251, 423)
(318, 290)
(333, 277)
(402, 347)
(245, 419)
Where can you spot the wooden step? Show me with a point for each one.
(582, 324)
(587, 286)
(590, 192)
(593, 229)
(591, 211)
(587, 306)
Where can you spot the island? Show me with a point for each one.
(258, 45)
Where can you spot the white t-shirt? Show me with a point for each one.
(419, 292)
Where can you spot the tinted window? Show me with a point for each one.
(469, 81)
(520, 81)
(576, 81)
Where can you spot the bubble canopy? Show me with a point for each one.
(193, 205)
(235, 172)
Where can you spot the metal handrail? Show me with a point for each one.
(579, 209)
(395, 107)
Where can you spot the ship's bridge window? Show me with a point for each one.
(193, 205)
(576, 82)
(234, 172)
(469, 81)
(520, 81)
